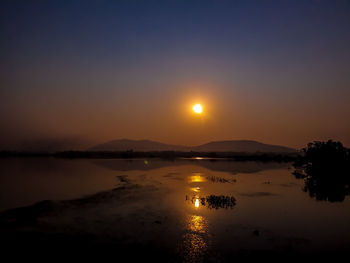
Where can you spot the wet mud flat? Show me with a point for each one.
(110, 223)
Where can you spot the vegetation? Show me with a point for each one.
(219, 201)
(325, 167)
(215, 201)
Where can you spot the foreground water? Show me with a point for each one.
(192, 210)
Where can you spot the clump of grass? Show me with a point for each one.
(220, 201)
(217, 179)
(215, 201)
(123, 178)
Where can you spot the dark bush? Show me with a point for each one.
(325, 166)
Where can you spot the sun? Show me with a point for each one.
(197, 108)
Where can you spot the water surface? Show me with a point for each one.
(196, 210)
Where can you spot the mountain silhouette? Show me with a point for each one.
(216, 146)
(241, 146)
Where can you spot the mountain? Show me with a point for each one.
(241, 146)
(216, 146)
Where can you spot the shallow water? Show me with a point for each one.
(197, 209)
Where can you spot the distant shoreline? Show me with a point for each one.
(237, 156)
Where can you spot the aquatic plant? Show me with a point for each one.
(214, 201)
(217, 179)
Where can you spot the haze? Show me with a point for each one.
(76, 73)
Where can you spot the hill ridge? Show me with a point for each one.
(212, 146)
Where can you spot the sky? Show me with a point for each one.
(77, 73)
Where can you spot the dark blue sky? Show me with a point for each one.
(274, 71)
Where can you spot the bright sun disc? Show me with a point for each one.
(197, 108)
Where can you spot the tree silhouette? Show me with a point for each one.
(325, 166)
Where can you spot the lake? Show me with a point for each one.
(187, 210)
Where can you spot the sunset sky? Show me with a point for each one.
(85, 72)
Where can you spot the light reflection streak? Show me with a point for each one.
(196, 203)
(196, 238)
(196, 178)
(195, 189)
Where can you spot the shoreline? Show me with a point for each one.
(231, 156)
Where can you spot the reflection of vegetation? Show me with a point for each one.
(325, 166)
(214, 201)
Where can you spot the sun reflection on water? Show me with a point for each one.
(196, 178)
(197, 224)
(195, 189)
(196, 239)
(196, 203)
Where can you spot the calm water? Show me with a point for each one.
(194, 208)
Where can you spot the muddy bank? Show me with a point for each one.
(112, 222)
